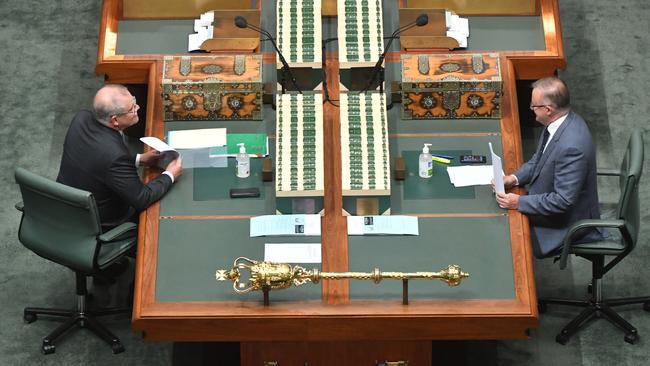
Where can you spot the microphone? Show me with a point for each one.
(241, 22)
(421, 20)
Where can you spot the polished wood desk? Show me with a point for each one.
(335, 314)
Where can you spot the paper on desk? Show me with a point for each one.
(167, 152)
(457, 28)
(292, 253)
(497, 171)
(285, 225)
(197, 139)
(470, 175)
(383, 225)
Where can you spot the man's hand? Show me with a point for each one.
(508, 200)
(509, 181)
(175, 167)
(150, 158)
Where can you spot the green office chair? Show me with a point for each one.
(627, 224)
(61, 224)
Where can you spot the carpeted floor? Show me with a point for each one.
(47, 57)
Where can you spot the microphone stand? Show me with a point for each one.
(286, 70)
(377, 68)
(325, 87)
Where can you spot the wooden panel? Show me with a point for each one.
(334, 353)
(479, 7)
(174, 9)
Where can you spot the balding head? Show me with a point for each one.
(110, 100)
(554, 92)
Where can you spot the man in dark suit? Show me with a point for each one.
(561, 175)
(96, 159)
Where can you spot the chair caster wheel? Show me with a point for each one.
(631, 337)
(646, 306)
(29, 318)
(541, 307)
(48, 349)
(562, 339)
(117, 348)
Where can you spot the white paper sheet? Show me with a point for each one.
(497, 171)
(167, 153)
(292, 252)
(470, 175)
(197, 139)
(285, 225)
(383, 225)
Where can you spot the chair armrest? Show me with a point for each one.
(20, 206)
(583, 224)
(119, 232)
(609, 172)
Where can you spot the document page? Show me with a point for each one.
(167, 153)
(285, 225)
(292, 252)
(197, 139)
(497, 171)
(383, 225)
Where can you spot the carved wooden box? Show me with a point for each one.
(212, 87)
(451, 86)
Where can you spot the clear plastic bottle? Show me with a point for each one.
(425, 164)
(243, 162)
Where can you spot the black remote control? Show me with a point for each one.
(244, 192)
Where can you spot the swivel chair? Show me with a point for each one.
(61, 224)
(620, 243)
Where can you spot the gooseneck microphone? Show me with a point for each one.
(241, 22)
(420, 21)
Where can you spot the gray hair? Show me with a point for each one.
(106, 102)
(554, 91)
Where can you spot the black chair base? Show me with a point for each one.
(594, 309)
(76, 318)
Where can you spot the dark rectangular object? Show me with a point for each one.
(472, 159)
(244, 192)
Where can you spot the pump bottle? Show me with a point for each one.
(425, 165)
(243, 162)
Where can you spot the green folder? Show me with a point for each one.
(257, 144)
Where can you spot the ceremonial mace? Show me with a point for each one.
(265, 276)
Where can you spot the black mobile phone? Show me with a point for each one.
(472, 159)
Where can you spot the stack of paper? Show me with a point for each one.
(203, 28)
(197, 139)
(457, 28)
(292, 252)
(463, 176)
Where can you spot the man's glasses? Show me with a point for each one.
(532, 106)
(133, 110)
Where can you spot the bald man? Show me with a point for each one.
(561, 175)
(96, 159)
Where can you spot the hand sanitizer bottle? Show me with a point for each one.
(425, 165)
(243, 162)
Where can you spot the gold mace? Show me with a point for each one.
(272, 276)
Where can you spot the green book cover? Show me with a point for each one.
(257, 144)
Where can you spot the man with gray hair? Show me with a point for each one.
(96, 159)
(561, 175)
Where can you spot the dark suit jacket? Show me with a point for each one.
(96, 159)
(561, 186)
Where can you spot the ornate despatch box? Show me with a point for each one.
(451, 86)
(212, 87)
